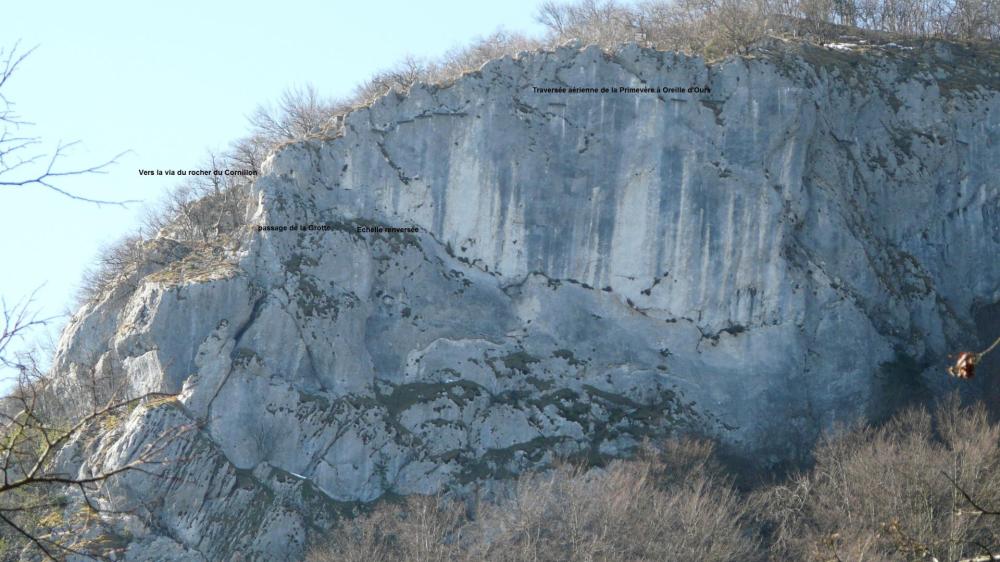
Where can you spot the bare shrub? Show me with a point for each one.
(300, 114)
(713, 28)
(730, 26)
(631, 510)
(886, 494)
(406, 73)
(401, 77)
(473, 56)
(202, 210)
(920, 487)
(422, 528)
(673, 26)
(116, 264)
(250, 151)
(202, 213)
(607, 23)
(708, 27)
(974, 18)
(667, 505)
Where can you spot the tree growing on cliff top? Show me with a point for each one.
(718, 27)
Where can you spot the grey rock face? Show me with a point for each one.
(587, 270)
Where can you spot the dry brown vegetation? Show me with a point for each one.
(887, 493)
(203, 215)
(669, 504)
(908, 490)
(719, 27)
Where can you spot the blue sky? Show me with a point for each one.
(169, 81)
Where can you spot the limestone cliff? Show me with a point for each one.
(787, 247)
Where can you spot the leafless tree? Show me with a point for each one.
(714, 28)
(470, 58)
(887, 493)
(22, 164)
(670, 504)
(39, 492)
(604, 22)
(300, 114)
(400, 78)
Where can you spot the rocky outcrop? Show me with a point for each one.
(789, 245)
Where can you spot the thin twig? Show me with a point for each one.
(988, 349)
(980, 510)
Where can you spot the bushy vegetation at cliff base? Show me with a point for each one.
(924, 486)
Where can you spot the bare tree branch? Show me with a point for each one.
(33, 431)
(30, 537)
(979, 509)
(15, 166)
